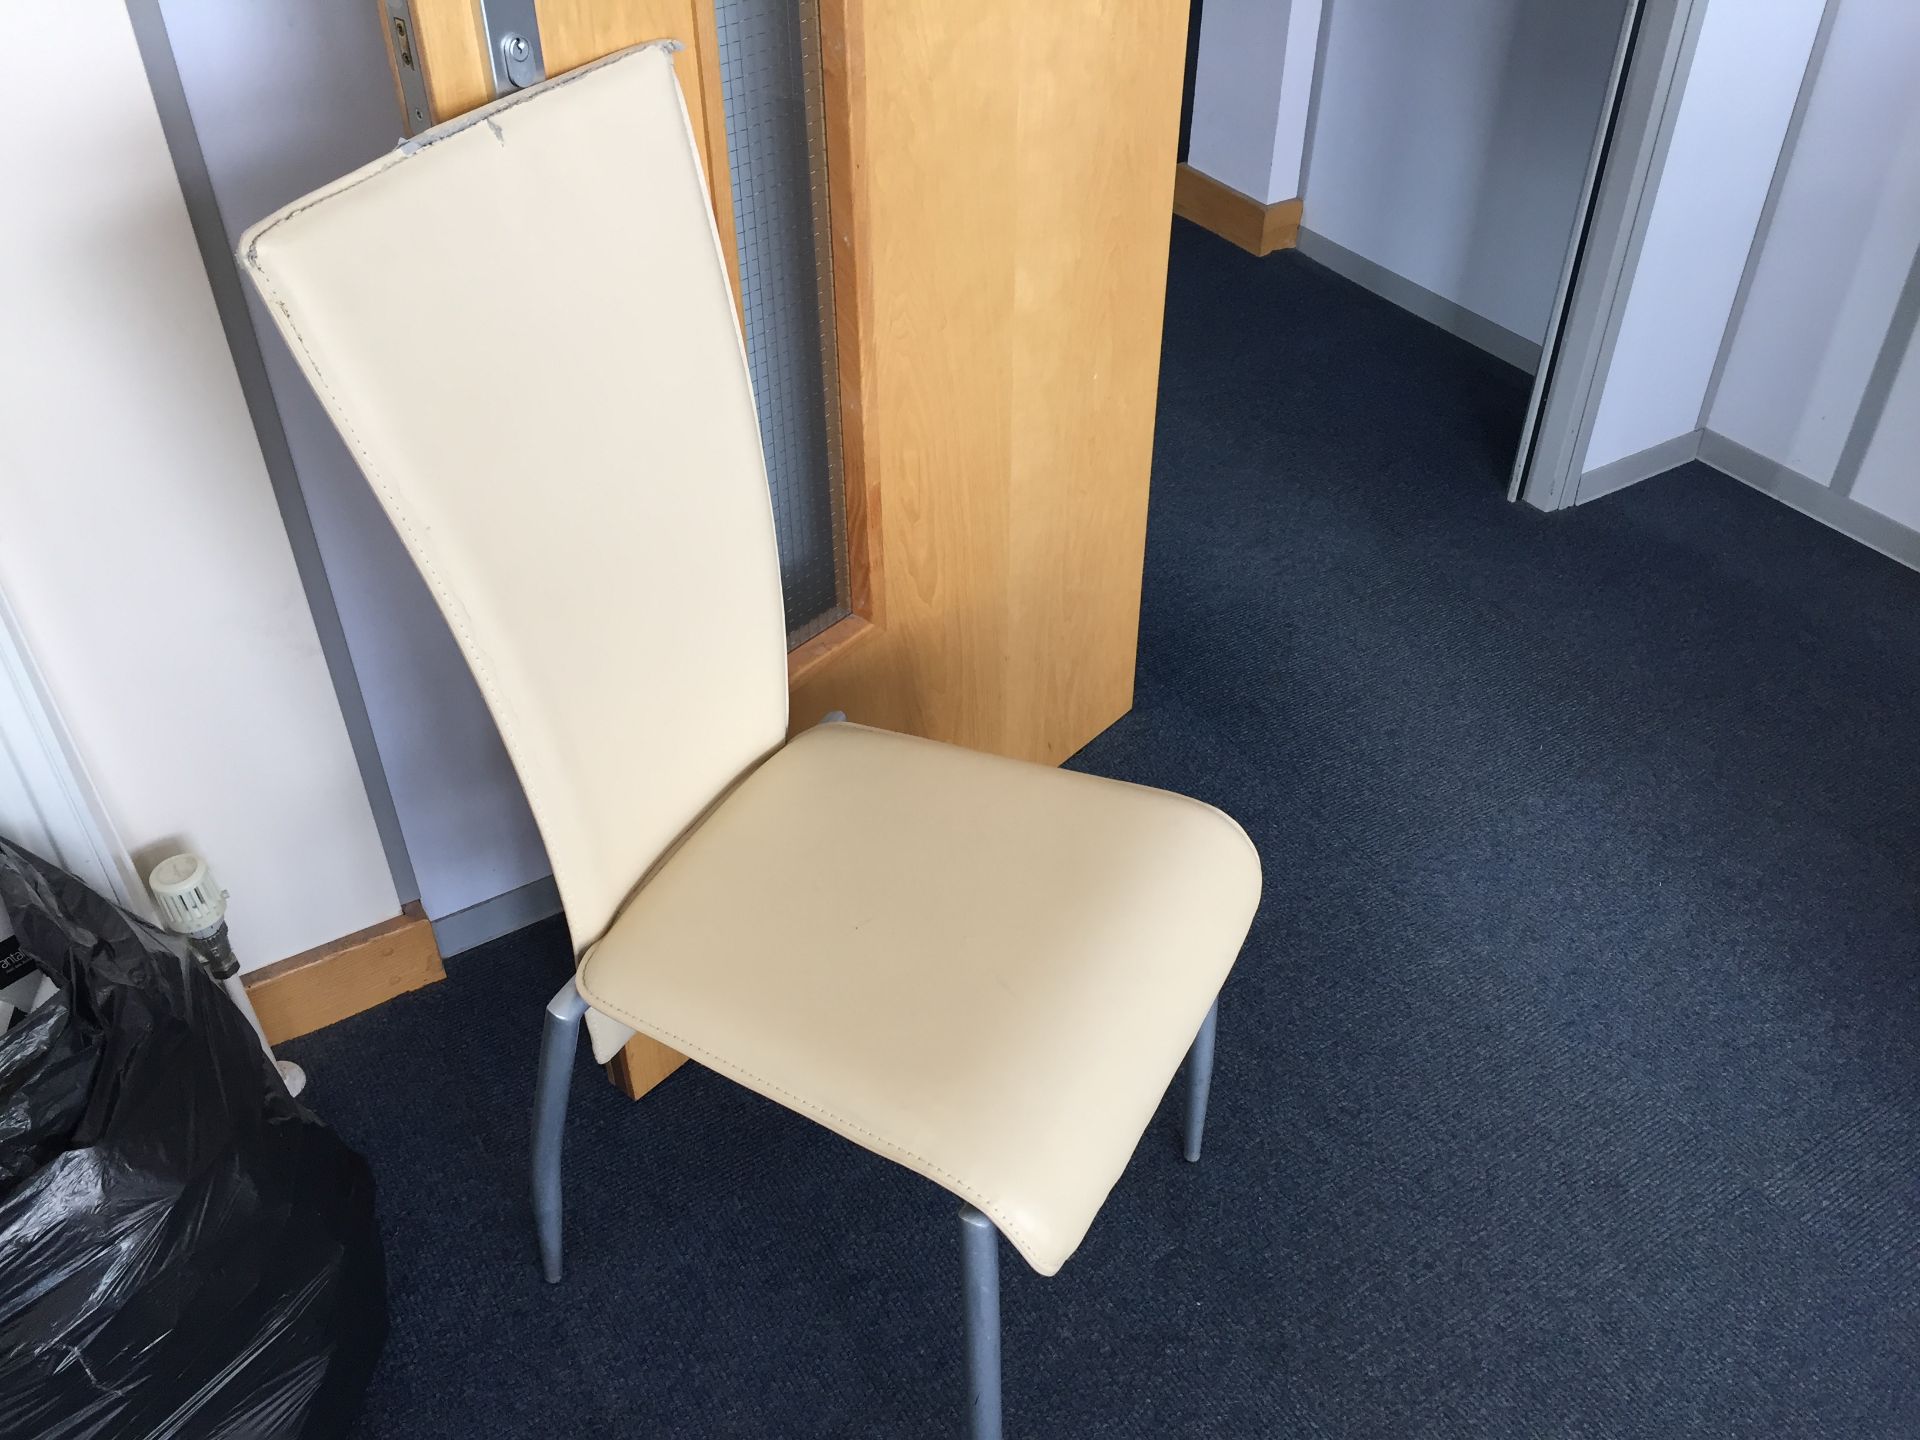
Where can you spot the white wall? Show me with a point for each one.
(1451, 140)
(48, 803)
(1736, 101)
(1832, 265)
(140, 542)
(1251, 88)
(286, 97)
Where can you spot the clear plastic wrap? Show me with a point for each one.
(185, 1250)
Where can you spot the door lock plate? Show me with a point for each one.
(513, 44)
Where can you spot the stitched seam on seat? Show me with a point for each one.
(953, 1182)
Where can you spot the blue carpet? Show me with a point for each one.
(1569, 1084)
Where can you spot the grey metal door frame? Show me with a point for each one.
(1657, 39)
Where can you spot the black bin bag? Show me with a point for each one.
(185, 1250)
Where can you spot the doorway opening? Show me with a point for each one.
(1446, 158)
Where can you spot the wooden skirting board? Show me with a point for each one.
(354, 973)
(1256, 228)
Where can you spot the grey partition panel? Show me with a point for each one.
(769, 70)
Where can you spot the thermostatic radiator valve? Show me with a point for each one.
(192, 905)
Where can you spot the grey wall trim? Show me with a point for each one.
(1886, 369)
(1764, 226)
(1811, 498)
(502, 915)
(1652, 86)
(1454, 318)
(223, 275)
(1641, 465)
(1313, 94)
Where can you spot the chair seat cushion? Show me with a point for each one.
(986, 970)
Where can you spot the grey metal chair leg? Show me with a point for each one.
(980, 1261)
(1200, 1079)
(558, 1041)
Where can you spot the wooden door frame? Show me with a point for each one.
(842, 80)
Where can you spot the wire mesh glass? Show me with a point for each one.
(769, 74)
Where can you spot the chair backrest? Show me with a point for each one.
(522, 325)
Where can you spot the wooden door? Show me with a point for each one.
(1001, 190)
(1001, 220)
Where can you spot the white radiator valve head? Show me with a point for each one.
(190, 903)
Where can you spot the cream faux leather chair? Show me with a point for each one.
(986, 970)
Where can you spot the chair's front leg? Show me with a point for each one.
(980, 1262)
(1200, 1079)
(558, 1041)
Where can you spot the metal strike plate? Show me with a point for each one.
(406, 64)
(513, 44)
